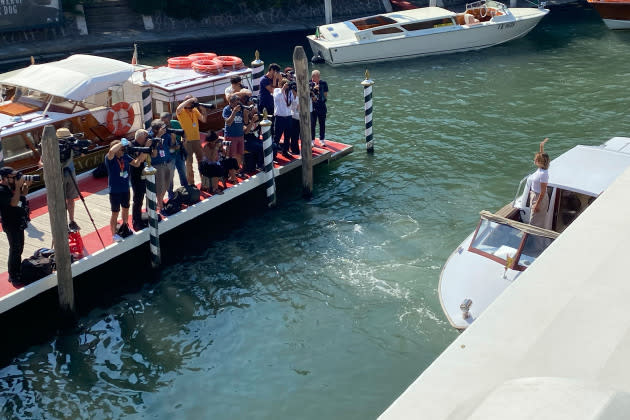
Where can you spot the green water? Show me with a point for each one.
(328, 308)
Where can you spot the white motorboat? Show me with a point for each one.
(502, 246)
(422, 31)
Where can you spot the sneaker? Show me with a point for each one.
(73, 226)
(323, 142)
(117, 238)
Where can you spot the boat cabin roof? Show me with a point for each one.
(76, 77)
(174, 84)
(590, 169)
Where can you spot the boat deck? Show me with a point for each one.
(95, 191)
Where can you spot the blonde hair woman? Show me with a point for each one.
(538, 198)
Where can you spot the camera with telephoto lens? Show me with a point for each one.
(74, 143)
(227, 143)
(205, 105)
(176, 131)
(293, 86)
(138, 149)
(33, 178)
(248, 107)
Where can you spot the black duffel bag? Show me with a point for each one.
(40, 265)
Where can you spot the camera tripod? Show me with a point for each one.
(76, 185)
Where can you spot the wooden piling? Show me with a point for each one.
(53, 177)
(300, 64)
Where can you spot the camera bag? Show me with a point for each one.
(40, 265)
(188, 195)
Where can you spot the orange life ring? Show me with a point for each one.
(202, 56)
(207, 66)
(231, 62)
(179, 62)
(117, 124)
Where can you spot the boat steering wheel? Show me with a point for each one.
(483, 11)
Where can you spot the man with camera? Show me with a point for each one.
(268, 83)
(189, 115)
(14, 213)
(178, 153)
(235, 87)
(162, 162)
(233, 116)
(138, 152)
(283, 97)
(67, 147)
(319, 95)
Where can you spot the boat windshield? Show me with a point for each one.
(499, 242)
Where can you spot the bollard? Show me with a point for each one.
(300, 63)
(154, 237)
(367, 95)
(258, 70)
(270, 183)
(53, 178)
(147, 110)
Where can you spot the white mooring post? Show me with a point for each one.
(270, 182)
(367, 95)
(58, 221)
(154, 236)
(258, 70)
(147, 106)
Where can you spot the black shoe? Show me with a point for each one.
(73, 226)
(16, 281)
(287, 155)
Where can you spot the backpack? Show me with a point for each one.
(172, 206)
(188, 195)
(40, 265)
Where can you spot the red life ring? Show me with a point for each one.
(207, 66)
(119, 124)
(179, 62)
(202, 56)
(231, 62)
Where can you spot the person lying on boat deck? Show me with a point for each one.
(470, 19)
(118, 164)
(319, 95)
(138, 185)
(233, 116)
(178, 152)
(283, 97)
(268, 83)
(235, 86)
(162, 162)
(188, 115)
(70, 192)
(13, 189)
(215, 165)
(538, 198)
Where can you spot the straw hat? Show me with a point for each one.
(63, 133)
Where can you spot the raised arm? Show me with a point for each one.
(542, 145)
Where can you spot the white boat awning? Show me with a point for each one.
(587, 169)
(76, 77)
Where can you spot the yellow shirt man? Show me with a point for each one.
(189, 116)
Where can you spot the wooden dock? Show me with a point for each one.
(95, 191)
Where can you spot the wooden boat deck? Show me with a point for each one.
(94, 190)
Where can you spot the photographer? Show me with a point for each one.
(162, 161)
(295, 120)
(319, 96)
(14, 213)
(253, 142)
(189, 116)
(138, 184)
(177, 151)
(66, 153)
(235, 87)
(283, 97)
(234, 130)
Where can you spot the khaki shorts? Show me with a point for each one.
(69, 189)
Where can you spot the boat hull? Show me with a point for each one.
(616, 15)
(446, 40)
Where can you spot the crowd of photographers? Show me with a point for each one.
(171, 145)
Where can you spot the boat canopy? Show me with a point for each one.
(76, 77)
(587, 169)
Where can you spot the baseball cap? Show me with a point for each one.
(7, 170)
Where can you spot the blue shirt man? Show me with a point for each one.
(267, 84)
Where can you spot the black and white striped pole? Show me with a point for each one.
(367, 96)
(258, 70)
(270, 182)
(154, 237)
(147, 111)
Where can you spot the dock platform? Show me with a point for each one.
(95, 191)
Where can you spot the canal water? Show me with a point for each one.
(328, 308)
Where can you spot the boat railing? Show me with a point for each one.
(487, 4)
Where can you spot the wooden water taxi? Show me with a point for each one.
(422, 31)
(501, 247)
(615, 13)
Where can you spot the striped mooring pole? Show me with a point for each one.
(147, 110)
(270, 182)
(367, 95)
(154, 236)
(258, 70)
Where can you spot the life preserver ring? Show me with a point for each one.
(120, 118)
(207, 66)
(483, 11)
(179, 62)
(202, 56)
(231, 62)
